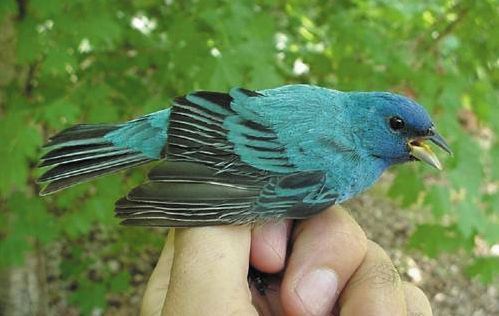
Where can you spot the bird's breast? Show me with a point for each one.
(350, 177)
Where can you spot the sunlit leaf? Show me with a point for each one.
(407, 186)
(485, 268)
(29, 46)
(60, 112)
(438, 199)
(58, 61)
(435, 239)
(88, 296)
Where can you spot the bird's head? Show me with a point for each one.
(395, 128)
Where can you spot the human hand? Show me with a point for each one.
(203, 271)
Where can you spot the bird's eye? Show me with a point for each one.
(396, 123)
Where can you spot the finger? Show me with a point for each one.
(269, 303)
(268, 246)
(416, 301)
(155, 293)
(209, 272)
(327, 249)
(375, 288)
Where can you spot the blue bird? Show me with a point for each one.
(244, 156)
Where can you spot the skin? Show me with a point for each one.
(330, 263)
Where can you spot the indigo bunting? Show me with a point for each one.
(244, 156)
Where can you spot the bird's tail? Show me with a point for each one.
(83, 152)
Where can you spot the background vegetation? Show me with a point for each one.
(64, 62)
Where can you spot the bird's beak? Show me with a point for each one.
(421, 151)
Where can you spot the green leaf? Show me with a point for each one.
(486, 269)
(20, 143)
(60, 113)
(470, 217)
(12, 250)
(435, 239)
(104, 112)
(406, 186)
(263, 76)
(76, 263)
(77, 221)
(225, 74)
(82, 216)
(88, 296)
(100, 207)
(32, 218)
(100, 27)
(98, 105)
(29, 46)
(70, 197)
(27, 220)
(58, 60)
(466, 177)
(6, 7)
(120, 283)
(46, 8)
(439, 200)
(482, 105)
(490, 231)
(492, 201)
(468, 170)
(137, 239)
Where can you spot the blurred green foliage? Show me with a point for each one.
(64, 62)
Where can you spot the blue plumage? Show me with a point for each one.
(146, 134)
(287, 152)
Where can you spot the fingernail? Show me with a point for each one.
(317, 291)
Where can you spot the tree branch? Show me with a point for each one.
(22, 8)
(30, 78)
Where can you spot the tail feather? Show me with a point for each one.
(81, 134)
(81, 153)
(87, 151)
(84, 155)
(72, 168)
(64, 183)
(71, 151)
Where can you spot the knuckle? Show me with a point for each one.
(375, 250)
(378, 271)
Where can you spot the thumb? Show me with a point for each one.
(209, 272)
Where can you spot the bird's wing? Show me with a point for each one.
(185, 194)
(225, 165)
(216, 129)
(297, 195)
